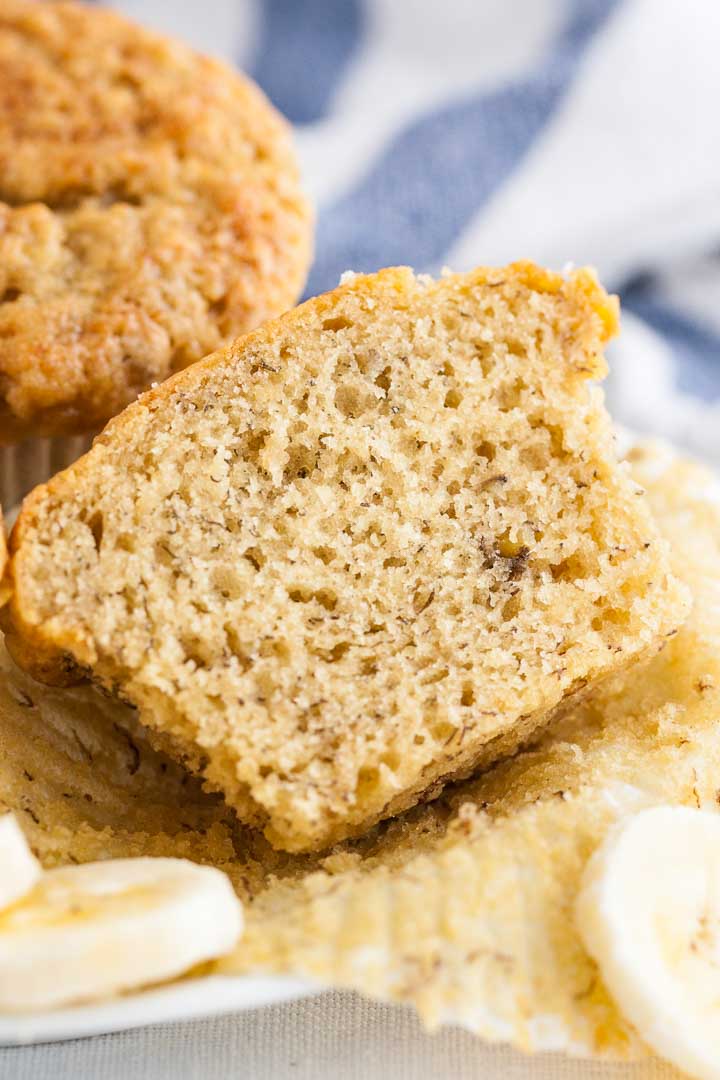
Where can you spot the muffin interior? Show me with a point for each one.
(365, 550)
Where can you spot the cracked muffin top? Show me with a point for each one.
(150, 211)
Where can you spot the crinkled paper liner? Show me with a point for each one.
(27, 464)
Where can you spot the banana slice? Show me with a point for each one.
(90, 931)
(649, 913)
(19, 869)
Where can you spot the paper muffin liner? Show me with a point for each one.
(29, 463)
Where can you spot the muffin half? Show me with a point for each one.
(367, 549)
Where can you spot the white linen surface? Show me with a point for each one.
(332, 1037)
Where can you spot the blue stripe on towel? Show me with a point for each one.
(304, 48)
(696, 347)
(418, 196)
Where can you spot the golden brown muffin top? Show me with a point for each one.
(150, 211)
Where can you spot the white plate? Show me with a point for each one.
(211, 995)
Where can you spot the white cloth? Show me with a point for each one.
(332, 1037)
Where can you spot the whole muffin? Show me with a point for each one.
(150, 210)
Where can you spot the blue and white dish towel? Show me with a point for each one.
(457, 132)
